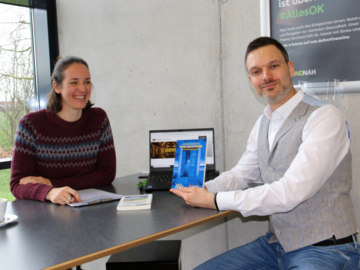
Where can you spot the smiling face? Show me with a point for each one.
(270, 75)
(75, 89)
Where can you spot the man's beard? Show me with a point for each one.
(284, 90)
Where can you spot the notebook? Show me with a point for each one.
(93, 196)
(162, 146)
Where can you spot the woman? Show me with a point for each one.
(65, 147)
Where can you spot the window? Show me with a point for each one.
(16, 73)
(28, 51)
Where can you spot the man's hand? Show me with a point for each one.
(196, 197)
(35, 180)
(62, 195)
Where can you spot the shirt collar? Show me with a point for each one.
(286, 108)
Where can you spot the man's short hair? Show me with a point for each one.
(265, 41)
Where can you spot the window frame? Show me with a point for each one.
(44, 36)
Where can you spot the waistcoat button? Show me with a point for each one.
(270, 169)
(277, 232)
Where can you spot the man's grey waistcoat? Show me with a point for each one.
(330, 211)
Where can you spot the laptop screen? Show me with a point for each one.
(163, 145)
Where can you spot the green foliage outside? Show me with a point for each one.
(4, 141)
(4, 185)
(5, 174)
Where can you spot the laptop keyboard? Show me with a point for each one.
(161, 177)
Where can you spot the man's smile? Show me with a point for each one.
(269, 86)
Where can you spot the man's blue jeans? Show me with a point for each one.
(260, 255)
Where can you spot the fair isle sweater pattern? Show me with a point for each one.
(53, 152)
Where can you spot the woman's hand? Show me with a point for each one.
(35, 180)
(63, 195)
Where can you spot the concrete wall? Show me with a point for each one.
(163, 64)
(154, 64)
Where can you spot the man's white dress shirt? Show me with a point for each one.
(325, 143)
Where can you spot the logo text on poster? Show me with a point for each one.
(305, 72)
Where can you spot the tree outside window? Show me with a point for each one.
(17, 95)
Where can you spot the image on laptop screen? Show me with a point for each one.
(163, 145)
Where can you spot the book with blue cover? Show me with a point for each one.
(190, 163)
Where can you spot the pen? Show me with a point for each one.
(71, 196)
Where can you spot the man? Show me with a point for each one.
(300, 148)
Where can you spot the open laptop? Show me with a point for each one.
(162, 146)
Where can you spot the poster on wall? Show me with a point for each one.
(322, 37)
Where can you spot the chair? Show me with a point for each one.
(159, 255)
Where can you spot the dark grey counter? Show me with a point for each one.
(59, 237)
